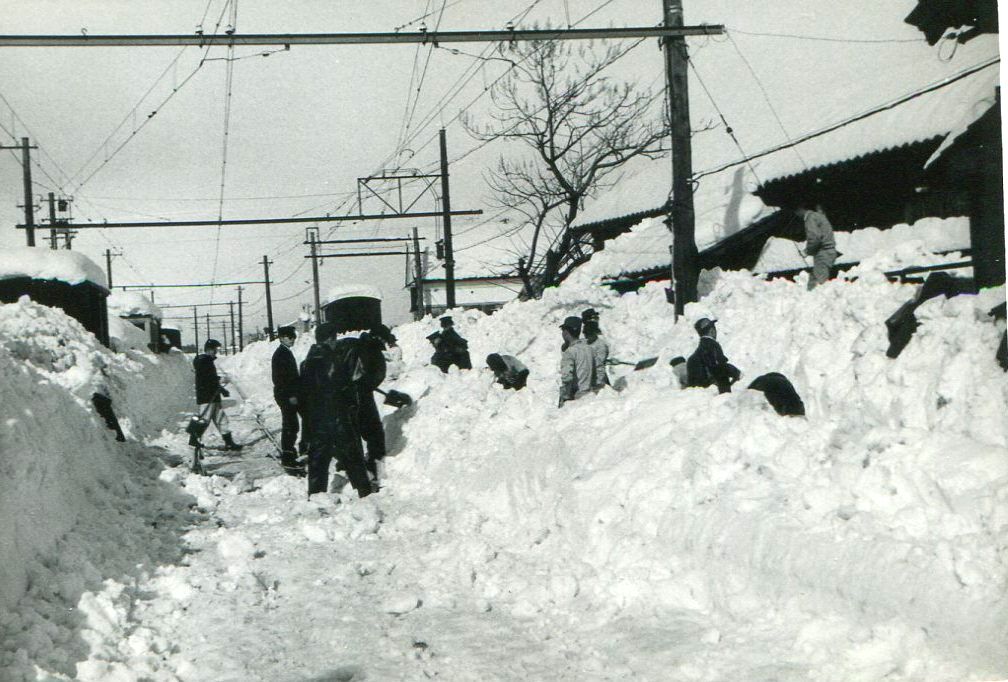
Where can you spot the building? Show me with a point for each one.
(67, 280)
(933, 154)
(142, 313)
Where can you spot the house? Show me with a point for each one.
(139, 311)
(68, 280)
(352, 307)
(483, 278)
(933, 153)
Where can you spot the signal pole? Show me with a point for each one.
(449, 264)
(269, 300)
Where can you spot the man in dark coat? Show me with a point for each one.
(452, 346)
(708, 364)
(338, 378)
(209, 390)
(285, 392)
(780, 393)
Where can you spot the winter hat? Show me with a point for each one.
(573, 325)
(704, 325)
(384, 334)
(211, 343)
(287, 332)
(324, 331)
(446, 322)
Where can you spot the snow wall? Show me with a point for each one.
(60, 468)
(888, 501)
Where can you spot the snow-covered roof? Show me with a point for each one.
(71, 267)
(943, 112)
(351, 291)
(723, 205)
(132, 304)
(904, 242)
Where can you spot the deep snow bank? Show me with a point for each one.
(890, 500)
(59, 464)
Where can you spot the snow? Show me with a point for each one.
(650, 534)
(922, 243)
(350, 291)
(132, 303)
(71, 267)
(124, 335)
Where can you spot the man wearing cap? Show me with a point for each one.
(577, 364)
(285, 392)
(209, 389)
(708, 364)
(598, 346)
(453, 346)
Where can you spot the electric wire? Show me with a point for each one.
(228, 85)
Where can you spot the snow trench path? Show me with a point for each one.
(273, 586)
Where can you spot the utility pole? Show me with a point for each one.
(29, 208)
(685, 257)
(224, 334)
(269, 300)
(449, 263)
(208, 326)
(314, 266)
(418, 278)
(241, 326)
(231, 308)
(195, 324)
(108, 262)
(52, 224)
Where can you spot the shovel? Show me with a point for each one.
(396, 398)
(639, 365)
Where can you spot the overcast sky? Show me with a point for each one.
(306, 123)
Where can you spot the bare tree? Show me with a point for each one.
(577, 126)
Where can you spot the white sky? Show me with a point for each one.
(306, 123)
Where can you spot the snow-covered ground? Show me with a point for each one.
(648, 534)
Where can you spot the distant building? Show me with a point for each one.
(479, 284)
(67, 280)
(142, 313)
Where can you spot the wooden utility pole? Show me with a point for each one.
(108, 264)
(29, 208)
(208, 326)
(685, 257)
(241, 322)
(52, 223)
(269, 299)
(224, 334)
(314, 266)
(231, 309)
(449, 263)
(418, 277)
(195, 324)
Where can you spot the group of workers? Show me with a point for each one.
(329, 399)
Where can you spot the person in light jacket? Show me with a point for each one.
(819, 243)
(577, 364)
(598, 346)
(508, 370)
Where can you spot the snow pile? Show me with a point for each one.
(926, 242)
(125, 336)
(131, 304)
(885, 504)
(71, 267)
(63, 480)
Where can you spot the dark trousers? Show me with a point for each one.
(289, 425)
(103, 406)
(343, 444)
(371, 430)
